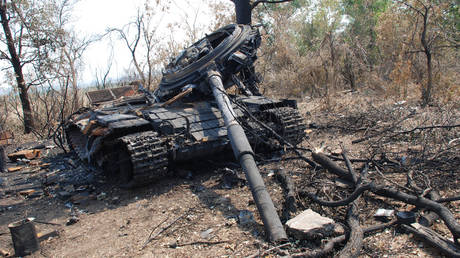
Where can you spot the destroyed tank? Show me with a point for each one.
(134, 135)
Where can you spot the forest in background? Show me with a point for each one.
(310, 49)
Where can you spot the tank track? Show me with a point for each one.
(147, 158)
(77, 142)
(287, 122)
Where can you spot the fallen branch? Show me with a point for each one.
(150, 238)
(355, 240)
(422, 202)
(433, 238)
(353, 196)
(151, 232)
(259, 254)
(385, 191)
(341, 159)
(430, 217)
(349, 167)
(449, 199)
(331, 166)
(204, 243)
(47, 223)
(329, 246)
(383, 131)
(425, 128)
(288, 187)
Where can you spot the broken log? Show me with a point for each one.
(331, 166)
(355, 240)
(289, 189)
(430, 217)
(433, 238)
(349, 167)
(356, 236)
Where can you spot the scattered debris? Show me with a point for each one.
(35, 162)
(101, 196)
(172, 244)
(447, 247)
(27, 154)
(207, 234)
(14, 169)
(64, 195)
(310, 225)
(44, 236)
(115, 200)
(406, 217)
(45, 165)
(245, 217)
(230, 221)
(31, 193)
(384, 214)
(230, 179)
(81, 198)
(72, 221)
(4, 253)
(69, 188)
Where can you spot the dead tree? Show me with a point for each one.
(14, 59)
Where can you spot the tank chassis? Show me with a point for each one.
(190, 115)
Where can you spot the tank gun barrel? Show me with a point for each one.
(245, 156)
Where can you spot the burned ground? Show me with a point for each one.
(205, 208)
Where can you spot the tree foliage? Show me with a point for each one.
(49, 58)
(393, 47)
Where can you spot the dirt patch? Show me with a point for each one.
(197, 212)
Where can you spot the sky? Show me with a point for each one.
(93, 17)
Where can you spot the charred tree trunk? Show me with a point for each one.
(16, 63)
(243, 11)
(426, 92)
